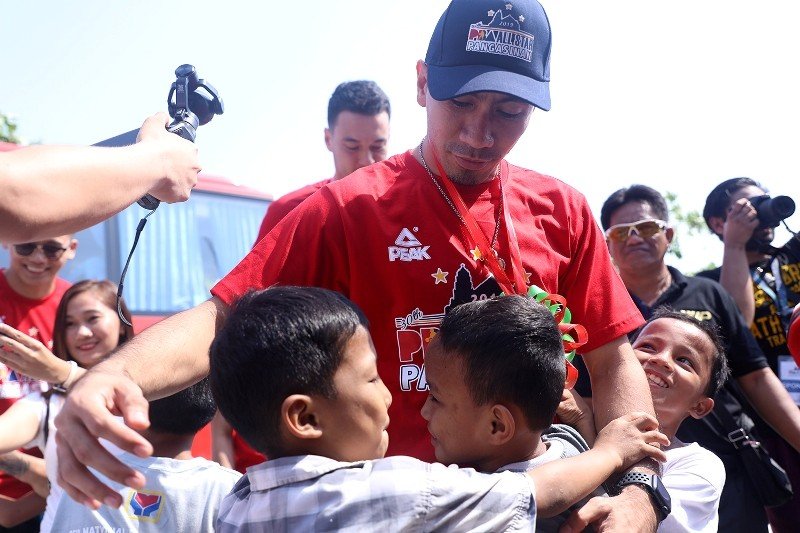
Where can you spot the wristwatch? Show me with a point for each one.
(653, 485)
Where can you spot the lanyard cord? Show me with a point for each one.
(139, 229)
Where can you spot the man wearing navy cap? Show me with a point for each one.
(446, 222)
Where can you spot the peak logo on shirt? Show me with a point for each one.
(145, 506)
(408, 248)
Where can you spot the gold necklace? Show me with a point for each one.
(455, 210)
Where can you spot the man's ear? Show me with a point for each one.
(702, 408)
(670, 234)
(298, 417)
(328, 135)
(717, 224)
(503, 425)
(422, 82)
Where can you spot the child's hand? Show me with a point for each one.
(631, 438)
(573, 409)
(576, 412)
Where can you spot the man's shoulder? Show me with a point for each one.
(290, 200)
(711, 273)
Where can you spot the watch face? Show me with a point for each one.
(662, 494)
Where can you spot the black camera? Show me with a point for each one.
(771, 211)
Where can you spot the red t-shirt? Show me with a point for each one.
(386, 239)
(285, 204)
(35, 318)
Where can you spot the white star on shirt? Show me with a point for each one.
(522, 18)
(491, 12)
(509, 7)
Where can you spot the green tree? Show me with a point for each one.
(8, 129)
(685, 222)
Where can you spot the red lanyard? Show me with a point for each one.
(485, 252)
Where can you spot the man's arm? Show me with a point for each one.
(768, 395)
(15, 512)
(56, 190)
(619, 387)
(26, 468)
(619, 445)
(735, 272)
(163, 359)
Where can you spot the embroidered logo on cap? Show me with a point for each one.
(502, 35)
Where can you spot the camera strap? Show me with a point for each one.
(768, 278)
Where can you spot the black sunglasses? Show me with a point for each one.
(51, 251)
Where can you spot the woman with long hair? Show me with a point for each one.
(87, 329)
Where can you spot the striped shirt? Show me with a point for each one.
(313, 493)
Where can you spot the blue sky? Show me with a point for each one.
(677, 95)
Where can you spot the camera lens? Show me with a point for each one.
(772, 210)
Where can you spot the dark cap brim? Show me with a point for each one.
(448, 82)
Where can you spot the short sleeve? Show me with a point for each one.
(466, 500)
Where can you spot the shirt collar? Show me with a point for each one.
(288, 470)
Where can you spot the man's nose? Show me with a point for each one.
(476, 131)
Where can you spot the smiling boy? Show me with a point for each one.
(294, 372)
(685, 366)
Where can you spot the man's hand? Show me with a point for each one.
(741, 221)
(630, 438)
(89, 414)
(630, 512)
(178, 157)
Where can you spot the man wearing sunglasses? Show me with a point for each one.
(765, 282)
(30, 291)
(638, 236)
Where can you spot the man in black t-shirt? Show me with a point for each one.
(635, 220)
(765, 282)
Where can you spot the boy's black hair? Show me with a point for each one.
(511, 351)
(363, 97)
(719, 371)
(719, 199)
(185, 412)
(275, 343)
(634, 193)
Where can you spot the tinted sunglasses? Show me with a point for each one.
(642, 228)
(50, 250)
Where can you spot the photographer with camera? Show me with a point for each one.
(765, 283)
(57, 190)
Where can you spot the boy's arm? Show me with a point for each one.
(623, 442)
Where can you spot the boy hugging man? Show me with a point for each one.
(496, 375)
(294, 372)
(685, 365)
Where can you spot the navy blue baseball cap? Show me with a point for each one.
(491, 45)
